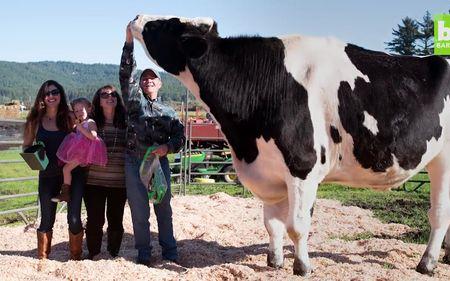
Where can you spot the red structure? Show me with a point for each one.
(204, 133)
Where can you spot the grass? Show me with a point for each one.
(208, 189)
(15, 170)
(400, 206)
(358, 236)
(11, 154)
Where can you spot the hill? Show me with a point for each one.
(22, 80)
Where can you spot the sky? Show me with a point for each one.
(94, 31)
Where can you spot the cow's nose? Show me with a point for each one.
(136, 18)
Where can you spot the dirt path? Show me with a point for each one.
(223, 238)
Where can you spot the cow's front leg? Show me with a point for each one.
(439, 213)
(274, 217)
(302, 194)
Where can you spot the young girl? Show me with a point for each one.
(80, 148)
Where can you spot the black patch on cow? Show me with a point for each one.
(322, 155)
(248, 90)
(340, 157)
(335, 136)
(163, 39)
(405, 95)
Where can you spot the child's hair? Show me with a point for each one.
(84, 101)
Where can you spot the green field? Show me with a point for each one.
(398, 206)
(16, 170)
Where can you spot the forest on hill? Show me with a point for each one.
(21, 81)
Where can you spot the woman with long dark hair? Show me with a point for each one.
(49, 122)
(106, 185)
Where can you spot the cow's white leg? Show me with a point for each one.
(274, 217)
(302, 194)
(446, 258)
(439, 213)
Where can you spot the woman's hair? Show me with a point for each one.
(119, 114)
(39, 109)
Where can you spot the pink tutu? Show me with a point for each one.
(76, 147)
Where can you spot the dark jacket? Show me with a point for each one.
(149, 123)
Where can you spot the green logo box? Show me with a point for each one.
(442, 34)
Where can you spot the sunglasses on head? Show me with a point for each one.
(107, 95)
(54, 92)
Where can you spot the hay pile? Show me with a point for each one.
(10, 110)
(223, 238)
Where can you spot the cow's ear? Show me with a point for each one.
(194, 46)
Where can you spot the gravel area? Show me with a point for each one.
(223, 238)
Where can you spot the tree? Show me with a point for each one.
(404, 42)
(426, 33)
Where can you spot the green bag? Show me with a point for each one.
(35, 156)
(152, 176)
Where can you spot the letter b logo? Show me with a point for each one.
(442, 34)
(443, 31)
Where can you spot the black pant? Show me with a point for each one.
(49, 187)
(95, 198)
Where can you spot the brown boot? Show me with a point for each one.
(64, 195)
(76, 245)
(44, 240)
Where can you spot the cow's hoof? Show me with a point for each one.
(273, 262)
(426, 266)
(300, 268)
(446, 259)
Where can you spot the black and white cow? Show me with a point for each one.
(298, 111)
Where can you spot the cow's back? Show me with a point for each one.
(393, 123)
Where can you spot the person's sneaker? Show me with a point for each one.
(144, 257)
(174, 260)
(92, 257)
(146, 262)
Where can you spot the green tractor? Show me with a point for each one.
(200, 163)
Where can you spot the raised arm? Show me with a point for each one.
(91, 131)
(127, 70)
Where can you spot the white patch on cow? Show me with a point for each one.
(320, 65)
(370, 123)
(319, 61)
(434, 147)
(265, 176)
(187, 79)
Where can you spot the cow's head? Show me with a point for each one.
(170, 41)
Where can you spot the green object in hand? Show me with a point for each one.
(35, 156)
(152, 176)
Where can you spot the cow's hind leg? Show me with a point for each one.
(446, 258)
(274, 217)
(302, 195)
(439, 213)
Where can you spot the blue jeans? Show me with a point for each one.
(140, 211)
(49, 187)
